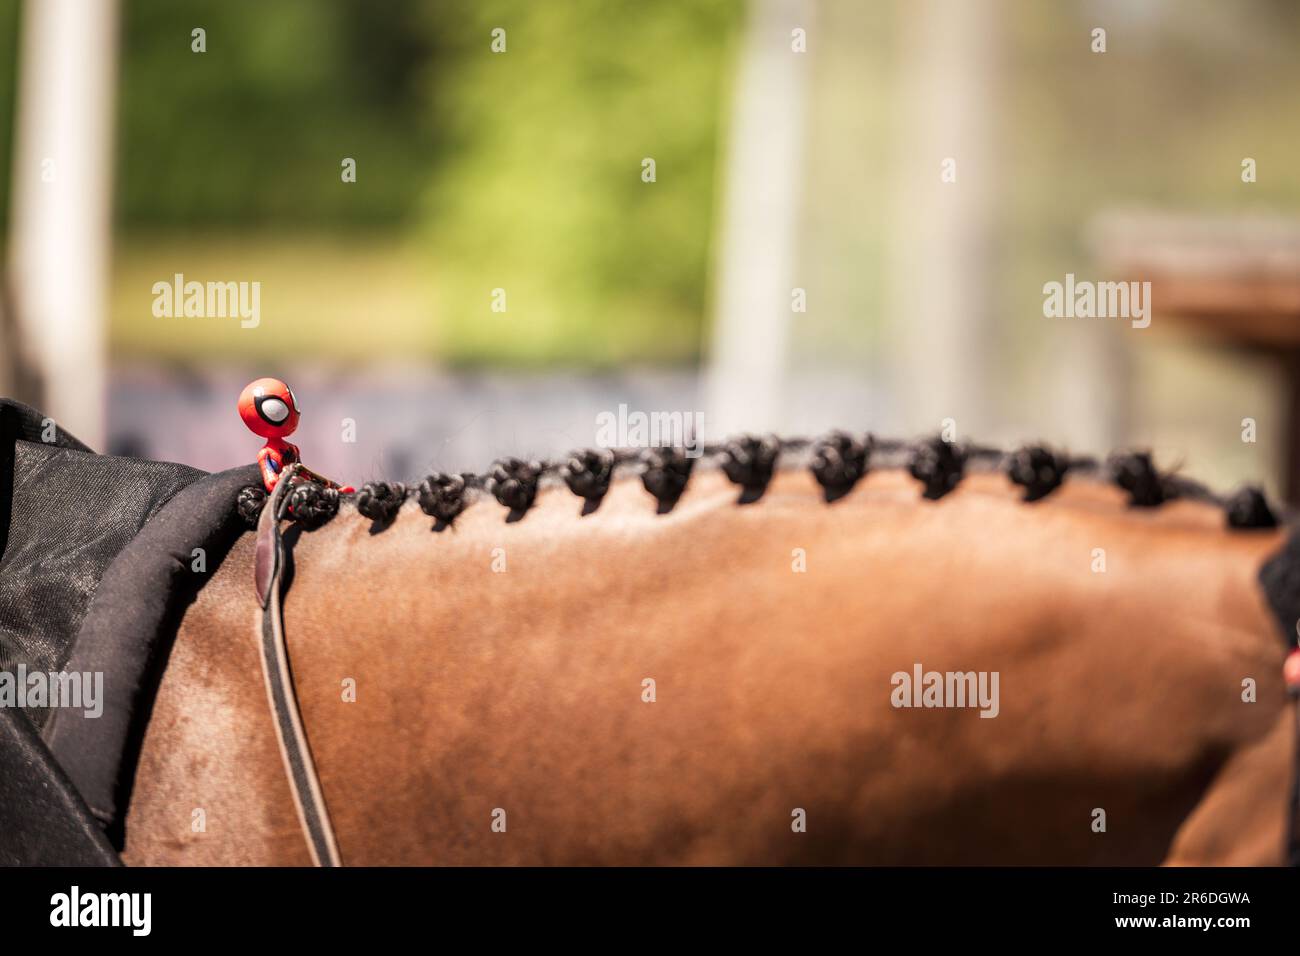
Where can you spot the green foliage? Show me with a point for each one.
(519, 170)
(252, 132)
(539, 189)
(8, 84)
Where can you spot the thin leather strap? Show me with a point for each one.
(298, 764)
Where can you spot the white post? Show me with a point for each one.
(945, 183)
(62, 188)
(764, 169)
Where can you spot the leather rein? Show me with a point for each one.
(1291, 677)
(268, 570)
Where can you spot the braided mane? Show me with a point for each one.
(837, 461)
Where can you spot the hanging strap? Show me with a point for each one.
(1291, 675)
(298, 765)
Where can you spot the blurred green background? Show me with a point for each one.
(474, 172)
(522, 172)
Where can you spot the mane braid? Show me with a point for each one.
(513, 482)
(442, 496)
(312, 504)
(1137, 474)
(666, 471)
(381, 500)
(748, 461)
(1038, 469)
(939, 465)
(249, 504)
(589, 472)
(837, 461)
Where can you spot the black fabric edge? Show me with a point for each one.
(22, 422)
(46, 822)
(1280, 578)
(128, 631)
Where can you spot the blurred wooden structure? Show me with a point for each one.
(56, 279)
(1233, 281)
(757, 259)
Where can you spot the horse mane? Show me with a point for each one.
(837, 461)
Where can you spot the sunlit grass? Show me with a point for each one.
(326, 297)
(372, 297)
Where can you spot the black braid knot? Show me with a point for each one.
(312, 504)
(1136, 474)
(588, 472)
(381, 500)
(1038, 469)
(1248, 508)
(749, 460)
(666, 472)
(939, 466)
(249, 504)
(442, 496)
(838, 461)
(513, 482)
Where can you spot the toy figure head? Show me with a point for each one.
(269, 408)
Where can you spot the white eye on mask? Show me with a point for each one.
(275, 410)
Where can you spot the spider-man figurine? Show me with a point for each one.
(269, 409)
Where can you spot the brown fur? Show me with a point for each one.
(522, 690)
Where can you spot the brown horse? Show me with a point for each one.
(724, 683)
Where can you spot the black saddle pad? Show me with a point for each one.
(95, 571)
(71, 513)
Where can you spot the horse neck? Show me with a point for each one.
(620, 684)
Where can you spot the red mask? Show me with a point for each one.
(269, 408)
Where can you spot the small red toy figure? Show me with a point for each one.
(269, 409)
(1291, 671)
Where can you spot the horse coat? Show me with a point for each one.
(99, 556)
